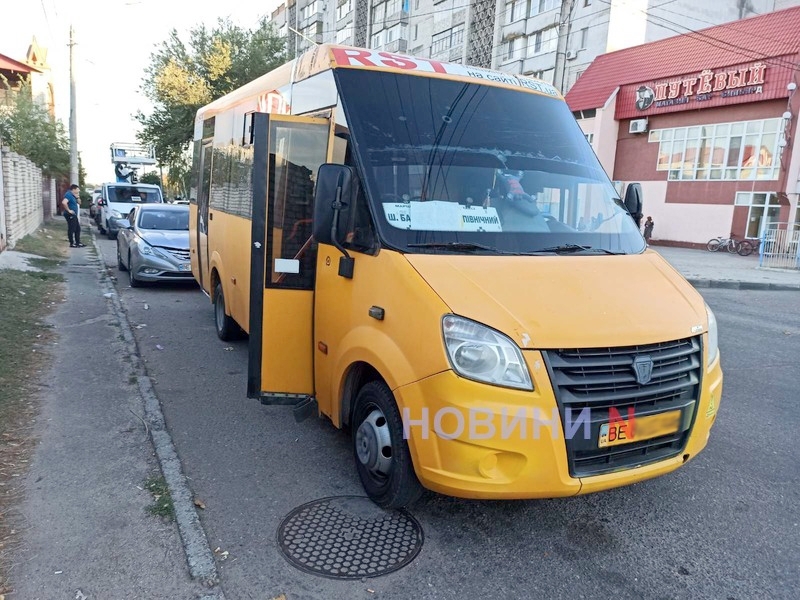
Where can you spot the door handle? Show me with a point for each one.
(210, 216)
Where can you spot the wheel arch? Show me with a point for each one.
(358, 374)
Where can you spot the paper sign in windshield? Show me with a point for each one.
(436, 215)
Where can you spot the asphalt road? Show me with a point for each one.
(726, 526)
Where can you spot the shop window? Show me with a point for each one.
(743, 150)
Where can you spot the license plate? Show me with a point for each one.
(185, 267)
(627, 431)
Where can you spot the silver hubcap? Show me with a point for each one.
(374, 444)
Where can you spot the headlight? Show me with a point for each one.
(146, 249)
(115, 214)
(483, 354)
(713, 347)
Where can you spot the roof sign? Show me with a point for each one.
(730, 82)
(357, 57)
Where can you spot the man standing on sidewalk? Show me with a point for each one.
(72, 215)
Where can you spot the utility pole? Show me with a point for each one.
(564, 27)
(73, 117)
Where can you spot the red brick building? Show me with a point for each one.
(707, 122)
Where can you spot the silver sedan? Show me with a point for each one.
(153, 244)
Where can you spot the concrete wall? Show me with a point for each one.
(21, 198)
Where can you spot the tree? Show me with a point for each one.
(181, 78)
(151, 177)
(26, 127)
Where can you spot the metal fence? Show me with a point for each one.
(780, 246)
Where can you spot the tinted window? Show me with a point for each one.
(117, 193)
(167, 220)
(447, 161)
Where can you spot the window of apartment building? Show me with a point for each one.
(396, 32)
(344, 34)
(764, 209)
(540, 6)
(589, 137)
(344, 9)
(447, 39)
(308, 10)
(584, 38)
(740, 150)
(377, 40)
(516, 10)
(416, 32)
(513, 48)
(379, 13)
(393, 7)
(587, 2)
(543, 41)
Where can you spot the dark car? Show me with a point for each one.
(153, 244)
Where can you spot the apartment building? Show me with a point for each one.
(555, 40)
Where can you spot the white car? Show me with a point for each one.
(119, 198)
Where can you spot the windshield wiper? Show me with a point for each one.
(573, 248)
(459, 246)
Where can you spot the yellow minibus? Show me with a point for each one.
(430, 255)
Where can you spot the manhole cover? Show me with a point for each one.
(349, 537)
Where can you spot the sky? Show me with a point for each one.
(114, 41)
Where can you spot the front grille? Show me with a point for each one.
(604, 380)
(182, 255)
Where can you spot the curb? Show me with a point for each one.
(743, 285)
(198, 552)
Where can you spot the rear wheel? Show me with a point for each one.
(382, 458)
(745, 248)
(227, 329)
(733, 246)
(713, 245)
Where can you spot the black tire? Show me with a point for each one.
(227, 329)
(135, 283)
(713, 245)
(381, 454)
(111, 236)
(120, 266)
(733, 246)
(745, 248)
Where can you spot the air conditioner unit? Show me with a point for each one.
(572, 54)
(638, 126)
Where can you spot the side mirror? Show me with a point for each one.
(124, 224)
(101, 202)
(633, 201)
(336, 190)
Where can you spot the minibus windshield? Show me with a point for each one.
(450, 166)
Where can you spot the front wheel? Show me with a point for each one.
(713, 245)
(733, 246)
(382, 458)
(226, 326)
(135, 283)
(120, 265)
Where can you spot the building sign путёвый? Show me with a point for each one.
(738, 81)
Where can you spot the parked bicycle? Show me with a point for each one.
(747, 247)
(718, 244)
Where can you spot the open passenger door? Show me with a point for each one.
(288, 152)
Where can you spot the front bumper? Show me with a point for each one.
(511, 444)
(154, 268)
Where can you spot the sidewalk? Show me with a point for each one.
(706, 269)
(85, 529)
